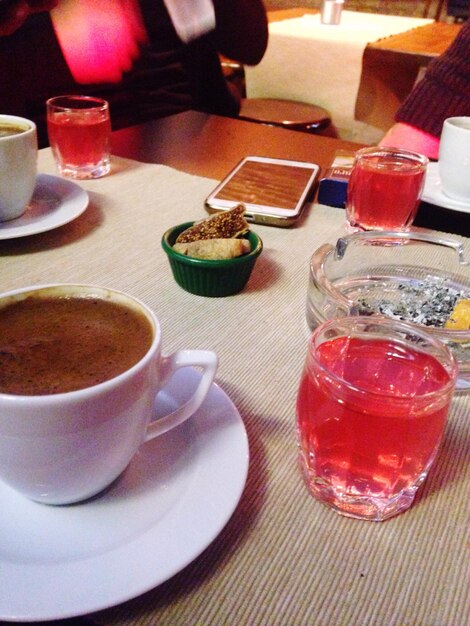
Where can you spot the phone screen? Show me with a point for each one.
(266, 184)
(273, 191)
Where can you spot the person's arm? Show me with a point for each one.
(444, 91)
(241, 29)
(15, 13)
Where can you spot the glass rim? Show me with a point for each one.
(382, 321)
(415, 157)
(65, 102)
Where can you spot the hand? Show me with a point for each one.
(16, 12)
(410, 138)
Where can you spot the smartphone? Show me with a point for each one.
(274, 191)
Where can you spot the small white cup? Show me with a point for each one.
(66, 447)
(454, 158)
(18, 167)
(331, 12)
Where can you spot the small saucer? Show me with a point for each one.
(433, 193)
(56, 201)
(170, 503)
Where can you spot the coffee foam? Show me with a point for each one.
(56, 344)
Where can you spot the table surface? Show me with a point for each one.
(391, 67)
(218, 143)
(282, 559)
(221, 142)
(429, 40)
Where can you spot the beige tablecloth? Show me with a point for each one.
(282, 559)
(321, 64)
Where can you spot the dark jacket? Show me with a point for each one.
(444, 91)
(168, 77)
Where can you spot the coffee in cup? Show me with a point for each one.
(7, 129)
(56, 344)
(80, 368)
(18, 156)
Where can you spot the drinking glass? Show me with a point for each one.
(384, 188)
(79, 131)
(371, 411)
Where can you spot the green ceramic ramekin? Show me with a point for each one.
(213, 279)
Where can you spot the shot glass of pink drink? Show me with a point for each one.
(384, 188)
(79, 130)
(371, 411)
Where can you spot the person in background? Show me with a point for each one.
(14, 14)
(443, 92)
(169, 66)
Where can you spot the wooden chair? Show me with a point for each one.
(290, 114)
(439, 9)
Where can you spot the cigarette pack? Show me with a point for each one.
(332, 189)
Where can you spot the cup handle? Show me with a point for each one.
(205, 359)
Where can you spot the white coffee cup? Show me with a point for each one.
(18, 166)
(454, 158)
(66, 447)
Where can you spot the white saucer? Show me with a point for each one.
(433, 193)
(56, 201)
(171, 502)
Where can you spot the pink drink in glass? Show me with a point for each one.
(384, 189)
(371, 413)
(79, 131)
